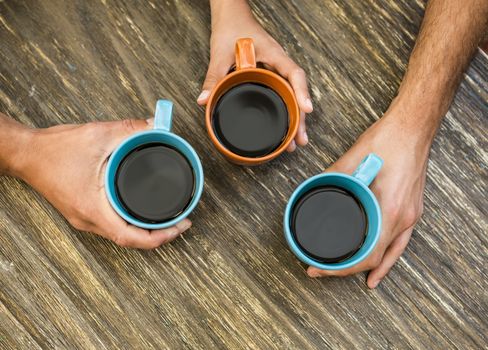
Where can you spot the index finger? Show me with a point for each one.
(315, 272)
(112, 226)
(134, 237)
(288, 69)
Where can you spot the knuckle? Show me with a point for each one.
(121, 241)
(275, 51)
(94, 125)
(412, 215)
(95, 129)
(393, 210)
(209, 82)
(154, 244)
(89, 214)
(77, 223)
(404, 216)
(172, 231)
(298, 72)
(374, 261)
(99, 126)
(276, 48)
(129, 125)
(212, 76)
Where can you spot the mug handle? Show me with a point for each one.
(368, 169)
(163, 116)
(245, 55)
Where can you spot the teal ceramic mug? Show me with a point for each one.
(160, 134)
(357, 184)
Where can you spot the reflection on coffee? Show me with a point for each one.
(329, 224)
(155, 183)
(250, 120)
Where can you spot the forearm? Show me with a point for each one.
(225, 10)
(448, 37)
(14, 138)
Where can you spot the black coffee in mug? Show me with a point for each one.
(250, 120)
(329, 224)
(155, 183)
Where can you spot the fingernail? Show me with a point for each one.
(186, 225)
(203, 95)
(305, 137)
(308, 104)
(375, 283)
(292, 146)
(150, 122)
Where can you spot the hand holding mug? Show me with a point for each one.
(252, 115)
(66, 165)
(154, 178)
(233, 21)
(398, 187)
(333, 220)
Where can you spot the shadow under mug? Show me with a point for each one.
(357, 184)
(160, 134)
(246, 72)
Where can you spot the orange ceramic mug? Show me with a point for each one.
(246, 72)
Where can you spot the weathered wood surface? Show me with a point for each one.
(231, 282)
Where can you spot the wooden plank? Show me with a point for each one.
(13, 335)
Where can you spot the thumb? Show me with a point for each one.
(341, 166)
(216, 71)
(334, 167)
(347, 163)
(120, 130)
(128, 127)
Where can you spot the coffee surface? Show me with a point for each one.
(329, 224)
(155, 183)
(250, 120)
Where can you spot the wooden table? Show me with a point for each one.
(231, 282)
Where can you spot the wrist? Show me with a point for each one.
(432, 95)
(14, 149)
(229, 10)
(417, 112)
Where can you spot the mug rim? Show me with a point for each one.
(213, 99)
(198, 182)
(349, 262)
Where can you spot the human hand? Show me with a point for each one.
(398, 187)
(67, 168)
(227, 27)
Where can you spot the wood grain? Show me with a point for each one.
(231, 282)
